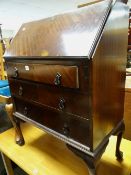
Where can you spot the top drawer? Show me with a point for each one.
(58, 75)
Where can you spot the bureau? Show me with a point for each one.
(67, 77)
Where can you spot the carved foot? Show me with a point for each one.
(19, 139)
(20, 142)
(119, 154)
(92, 171)
(91, 159)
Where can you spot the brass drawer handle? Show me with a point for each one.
(16, 74)
(62, 104)
(20, 91)
(57, 80)
(25, 111)
(66, 130)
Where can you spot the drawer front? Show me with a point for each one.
(20, 70)
(58, 75)
(72, 127)
(54, 97)
(23, 89)
(64, 100)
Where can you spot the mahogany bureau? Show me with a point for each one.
(67, 76)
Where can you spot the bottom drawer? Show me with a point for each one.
(70, 126)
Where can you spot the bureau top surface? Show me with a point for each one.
(74, 33)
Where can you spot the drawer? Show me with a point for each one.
(20, 70)
(64, 100)
(72, 127)
(24, 89)
(58, 98)
(58, 75)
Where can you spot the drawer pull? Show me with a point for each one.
(25, 111)
(20, 91)
(16, 74)
(57, 80)
(66, 130)
(62, 104)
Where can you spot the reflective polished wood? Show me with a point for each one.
(70, 81)
(62, 35)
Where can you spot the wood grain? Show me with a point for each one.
(61, 35)
(108, 74)
(45, 73)
(101, 77)
(51, 96)
(18, 134)
(71, 126)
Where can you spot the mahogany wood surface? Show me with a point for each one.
(101, 80)
(58, 121)
(75, 103)
(81, 68)
(45, 73)
(62, 35)
(70, 81)
(108, 74)
(18, 134)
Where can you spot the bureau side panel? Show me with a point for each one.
(108, 74)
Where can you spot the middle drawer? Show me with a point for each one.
(54, 97)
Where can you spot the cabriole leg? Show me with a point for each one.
(16, 123)
(91, 160)
(119, 154)
(92, 164)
